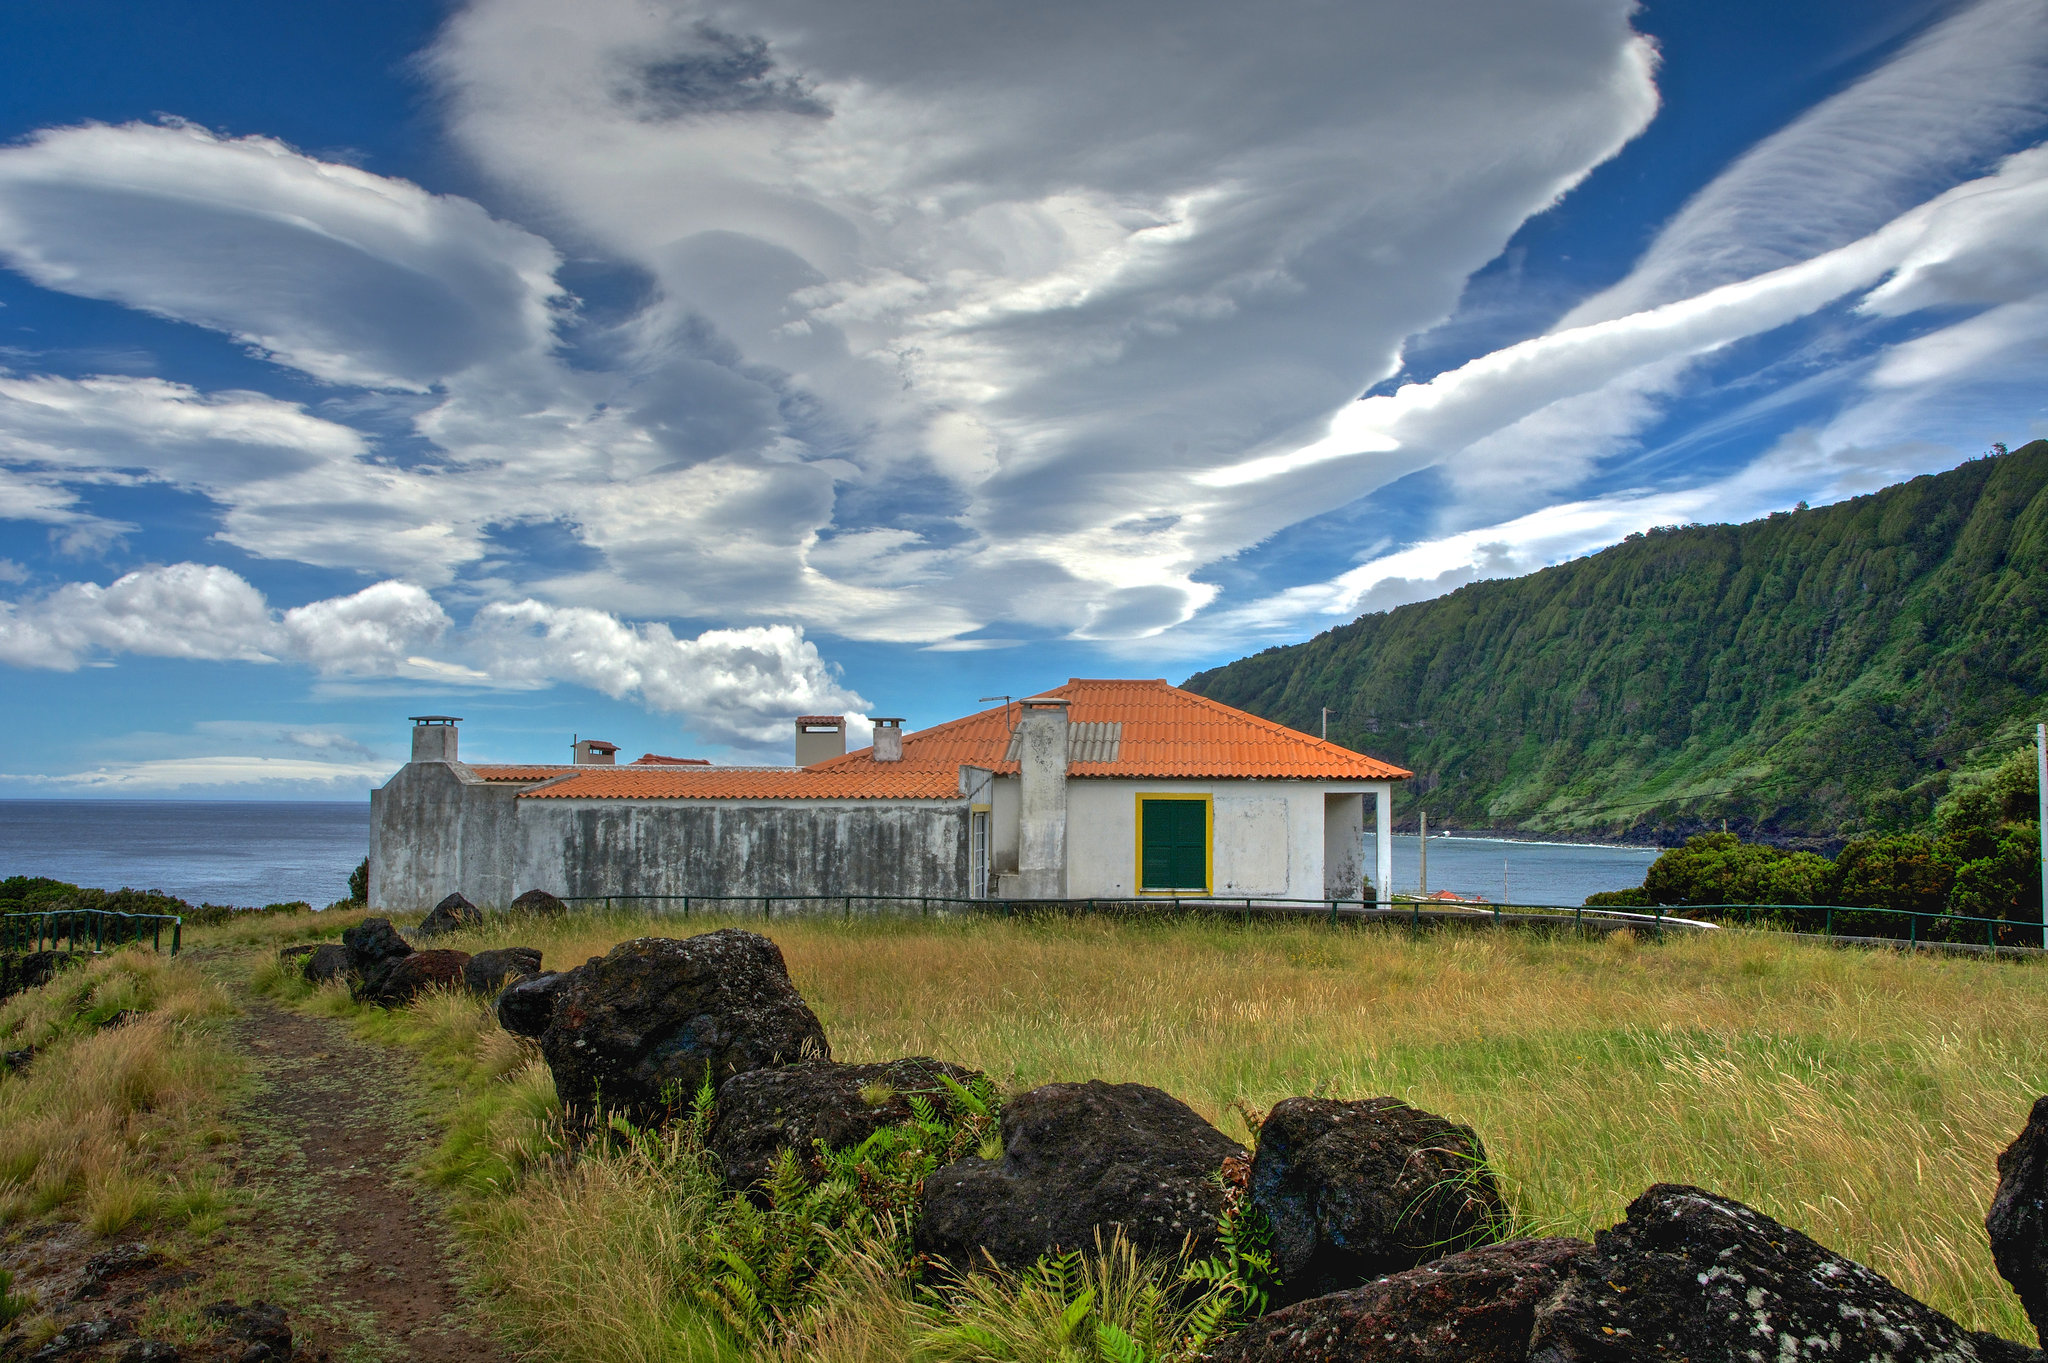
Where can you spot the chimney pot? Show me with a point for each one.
(888, 740)
(433, 737)
(819, 738)
(595, 752)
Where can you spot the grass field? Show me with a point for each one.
(1861, 1096)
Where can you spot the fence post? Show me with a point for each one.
(1915, 930)
(1579, 919)
(177, 934)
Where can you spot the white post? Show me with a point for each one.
(2041, 826)
(1383, 847)
(1422, 844)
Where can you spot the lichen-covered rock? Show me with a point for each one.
(791, 1107)
(655, 1016)
(1689, 1275)
(450, 914)
(1078, 1158)
(329, 961)
(413, 975)
(1359, 1189)
(539, 903)
(1474, 1307)
(525, 1007)
(489, 971)
(2018, 1220)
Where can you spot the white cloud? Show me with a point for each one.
(351, 277)
(372, 632)
(1953, 99)
(223, 770)
(739, 686)
(186, 610)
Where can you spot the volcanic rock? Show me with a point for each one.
(527, 1006)
(791, 1107)
(489, 971)
(259, 1325)
(329, 961)
(539, 903)
(1078, 1159)
(648, 1022)
(410, 976)
(1355, 1190)
(2018, 1220)
(1474, 1307)
(450, 914)
(1694, 1276)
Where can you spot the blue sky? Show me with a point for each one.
(658, 371)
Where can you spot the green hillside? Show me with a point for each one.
(1807, 676)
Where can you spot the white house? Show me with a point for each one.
(1097, 789)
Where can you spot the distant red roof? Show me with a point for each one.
(650, 759)
(876, 781)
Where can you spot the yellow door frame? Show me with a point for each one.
(1208, 838)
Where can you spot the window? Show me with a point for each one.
(1173, 842)
(978, 853)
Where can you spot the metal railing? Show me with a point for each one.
(87, 930)
(1839, 922)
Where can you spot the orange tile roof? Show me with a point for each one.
(517, 771)
(872, 781)
(1166, 732)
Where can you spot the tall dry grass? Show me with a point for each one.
(1861, 1096)
(128, 1075)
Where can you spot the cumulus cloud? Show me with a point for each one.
(739, 686)
(736, 686)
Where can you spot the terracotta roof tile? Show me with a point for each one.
(873, 781)
(1163, 732)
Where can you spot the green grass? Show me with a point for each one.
(1861, 1097)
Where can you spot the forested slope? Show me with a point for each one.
(1806, 676)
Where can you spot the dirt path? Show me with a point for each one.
(328, 1133)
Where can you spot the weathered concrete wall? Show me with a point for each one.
(619, 847)
(1042, 808)
(436, 829)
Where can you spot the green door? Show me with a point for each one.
(1176, 844)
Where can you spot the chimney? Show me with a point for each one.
(1042, 798)
(433, 737)
(888, 739)
(595, 752)
(819, 738)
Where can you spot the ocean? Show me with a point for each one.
(263, 852)
(243, 852)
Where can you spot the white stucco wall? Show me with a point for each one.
(1268, 836)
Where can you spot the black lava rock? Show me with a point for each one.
(330, 961)
(287, 955)
(411, 976)
(1359, 1189)
(539, 903)
(656, 1016)
(526, 1007)
(791, 1107)
(1697, 1277)
(448, 915)
(1474, 1307)
(259, 1325)
(490, 971)
(2018, 1220)
(1078, 1158)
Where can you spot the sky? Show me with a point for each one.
(658, 370)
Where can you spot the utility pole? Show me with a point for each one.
(2041, 825)
(1425, 854)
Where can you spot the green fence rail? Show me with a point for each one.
(1845, 922)
(87, 930)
